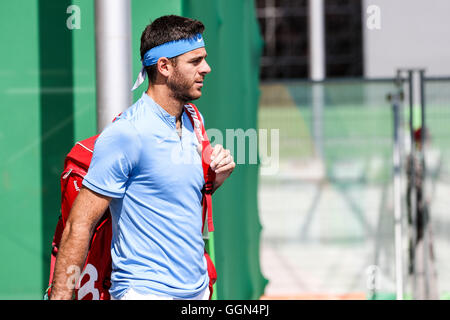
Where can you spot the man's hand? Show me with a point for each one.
(222, 163)
(86, 211)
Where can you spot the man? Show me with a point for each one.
(139, 170)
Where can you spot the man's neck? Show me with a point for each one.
(162, 97)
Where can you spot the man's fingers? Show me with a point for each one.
(216, 151)
(226, 160)
(229, 167)
(218, 158)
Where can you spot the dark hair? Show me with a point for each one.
(166, 29)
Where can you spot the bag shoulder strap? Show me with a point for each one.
(208, 174)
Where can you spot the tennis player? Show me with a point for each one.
(157, 248)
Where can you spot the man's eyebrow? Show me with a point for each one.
(198, 57)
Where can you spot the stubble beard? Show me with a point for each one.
(179, 87)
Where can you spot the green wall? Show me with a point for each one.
(20, 158)
(47, 101)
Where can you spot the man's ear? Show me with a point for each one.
(163, 65)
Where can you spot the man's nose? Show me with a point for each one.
(205, 68)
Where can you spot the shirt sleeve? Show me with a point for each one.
(116, 153)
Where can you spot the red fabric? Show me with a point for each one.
(208, 173)
(95, 279)
(211, 273)
(418, 135)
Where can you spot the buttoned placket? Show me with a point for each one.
(171, 122)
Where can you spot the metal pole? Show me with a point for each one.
(397, 201)
(426, 227)
(316, 40)
(412, 165)
(317, 68)
(270, 14)
(422, 105)
(113, 59)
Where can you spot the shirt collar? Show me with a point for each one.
(163, 114)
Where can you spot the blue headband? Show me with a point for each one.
(169, 50)
(172, 49)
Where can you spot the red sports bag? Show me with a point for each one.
(94, 281)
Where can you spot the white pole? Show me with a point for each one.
(397, 201)
(316, 32)
(113, 59)
(316, 40)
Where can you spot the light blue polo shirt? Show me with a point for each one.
(155, 179)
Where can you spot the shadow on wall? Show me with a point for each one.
(56, 103)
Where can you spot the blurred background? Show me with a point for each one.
(328, 215)
(349, 85)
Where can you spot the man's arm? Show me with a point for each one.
(86, 211)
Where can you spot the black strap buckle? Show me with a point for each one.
(207, 188)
